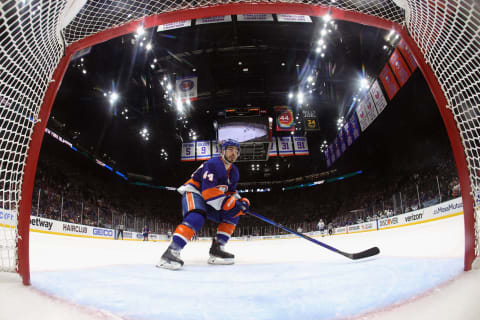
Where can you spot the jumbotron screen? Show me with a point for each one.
(244, 129)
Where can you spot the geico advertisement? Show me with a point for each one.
(8, 217)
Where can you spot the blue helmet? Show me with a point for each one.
(230, 142)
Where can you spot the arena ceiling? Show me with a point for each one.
(238, 64)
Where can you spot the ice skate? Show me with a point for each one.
(218, 255)
(170, 260)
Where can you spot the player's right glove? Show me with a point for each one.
(231, 203)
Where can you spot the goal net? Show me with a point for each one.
(38, 38)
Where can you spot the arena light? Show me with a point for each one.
(327, 18)
(140, 31)
(300, 97)
(114, 97)
(148, 46)
(363, 83)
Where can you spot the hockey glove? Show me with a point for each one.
(234, 207)
(246, 203)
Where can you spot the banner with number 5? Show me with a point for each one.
(188, 151)
(301, 146)
(203, 150)
(285, 147)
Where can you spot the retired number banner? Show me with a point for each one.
(285, 147)
(188, 151)
(399, 67)
(378, 97)
(273, 152)
(301, 146)
(215, 149)
(203, 150)
(389, 82)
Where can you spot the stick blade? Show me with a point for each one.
(363, 254)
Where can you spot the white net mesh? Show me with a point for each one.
(31, 46)
(448, 34)
(29, 53)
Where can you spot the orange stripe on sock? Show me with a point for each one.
(226, 227)
(185, 231)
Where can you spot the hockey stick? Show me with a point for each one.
(354, 256)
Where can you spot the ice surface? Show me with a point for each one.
(418, 275)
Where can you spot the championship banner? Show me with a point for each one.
(362, 114)
(255, 17)
(370, 109)
(203, 150)
(347, 133)
(273, 152)
(378, 97)
(399, 67)
(285, 120)
(293, 18)
(331, 150)
(215, 149)
(389, 82)
(342, 140)
(188, 151)
(327, 158)
(174, 25)
(186, 88)
(216, 19)
(301, 146)
(311, 124)
(408, 55)
(285, 147)
(338, 152)
(354, 127)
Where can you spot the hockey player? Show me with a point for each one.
(209, 194)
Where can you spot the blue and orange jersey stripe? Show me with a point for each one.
(194, 183)
(212, 193)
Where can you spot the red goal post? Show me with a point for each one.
(38, 39)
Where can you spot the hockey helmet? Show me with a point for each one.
(230, 142)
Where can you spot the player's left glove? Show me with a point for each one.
(245, 203)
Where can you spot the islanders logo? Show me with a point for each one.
(186, 85)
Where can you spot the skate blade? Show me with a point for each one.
(221, 261)
(168, 265)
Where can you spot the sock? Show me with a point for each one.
(224, 232)
(192, 223)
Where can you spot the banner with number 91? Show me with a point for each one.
(301, 146)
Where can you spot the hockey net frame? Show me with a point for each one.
(39, 37)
